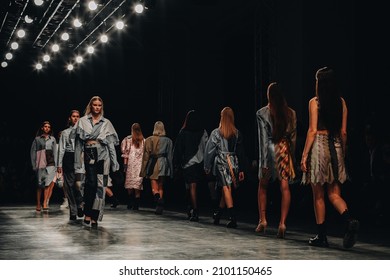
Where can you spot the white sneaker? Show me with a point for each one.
(64, 204)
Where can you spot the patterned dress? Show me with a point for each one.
(134, 156)
(277, 157)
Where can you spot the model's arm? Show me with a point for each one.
(343, 132)
(311, 132)
(33, 155)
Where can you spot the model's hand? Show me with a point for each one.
(303, 164)
(241, 176)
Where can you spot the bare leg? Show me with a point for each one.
(285, 203)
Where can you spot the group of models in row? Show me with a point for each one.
(86, 153)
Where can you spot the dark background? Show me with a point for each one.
(204, 55)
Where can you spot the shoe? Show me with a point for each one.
(65, 204)
(38, 209)
(189, 212)
(217, 216)
(86, 223)
(232, 223)
(350, 236)
(281, 231)
(80, 212)
(115, 203)
(194, 216)
(73, 217)
(94, 225)
(318, 242)
(261, 227)
(159, 207)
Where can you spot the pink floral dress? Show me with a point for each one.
(134, 156)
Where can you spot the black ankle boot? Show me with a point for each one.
(194, 215)
(115, 202)
(130, 202)
(136, 203)
(159, 207)
(217, 216)
(320, 239)
(232, 218)
(350, 235)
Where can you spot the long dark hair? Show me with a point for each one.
(40, 130)
(280, 113)
(329, 98)
(192, 121)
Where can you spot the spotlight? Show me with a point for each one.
(46, 58)
(119, 25)
(104, 38)
(90, 49)
(92, 5)
(14, 46)
(77, 23)
(79, 59)
(70, 67)
(8, 56)
(55, 48)
(38, 66)
(21, 33)
(65, 36)
(38, 2)
(139, 8)
(4, 64)
(27, 19)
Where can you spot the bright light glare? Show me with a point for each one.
(4, 64)
(69, 67)
(119, 25)
(77, 22)
(79, 59)
(104, 38)
(55, 48)
(38, 66)
(38, 2)
(8, 56)
(90, 49)
(92, 5)
(14, 46)
(46, 58)
(65, 36)
(21, 33)
(27, 19)
(139, 8)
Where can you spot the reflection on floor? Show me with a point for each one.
(141, 235)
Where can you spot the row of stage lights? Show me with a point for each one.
(55, 47)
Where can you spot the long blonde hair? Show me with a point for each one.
(159, 129)
(88, 109)
(226, 124)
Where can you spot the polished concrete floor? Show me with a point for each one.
(141, 235)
